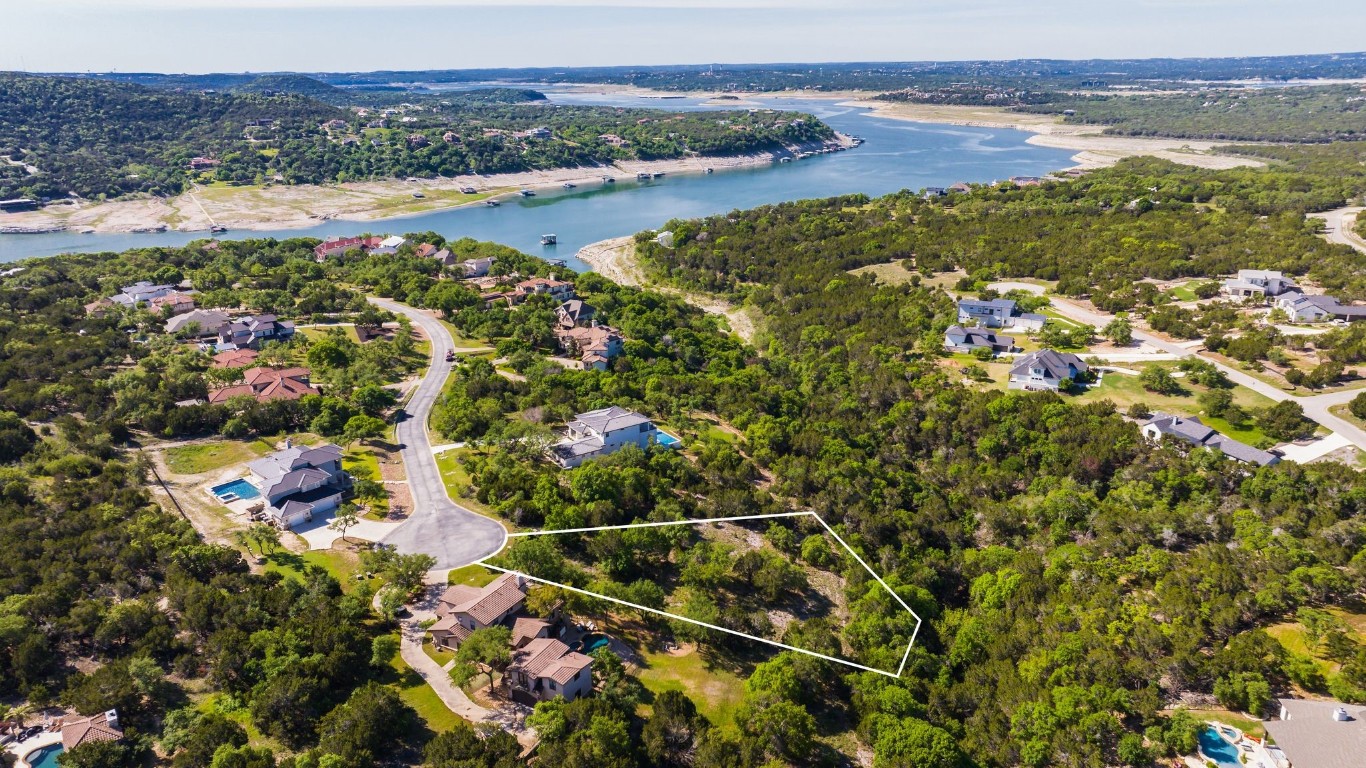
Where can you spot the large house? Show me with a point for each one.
(595, 346)
(252, 331)
(1191, 430)
(176, 303)
(87, 730)
(322, 251)
(1045, 369)
(299, 483)
(960, 339)
(1257, 283)
(542, 666)
(998, 313)
(575, 313)
(1306, 308)
(235, 358)
(206, 322)
(265, 384)
(390, 244)
(1320, 734)
(546, 668)
(141, 292)
(463, 609)
(556, 289)
(475, 267)
(602, 432)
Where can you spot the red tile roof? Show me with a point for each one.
(266, 384)
(490, 603)
(90, 729)
(236, 358)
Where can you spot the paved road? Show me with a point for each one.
(1340, 222)
(455, 536)
(1315, 407)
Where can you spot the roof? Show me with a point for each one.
(1004, 305)
(448, 623)
(550, 658)
(295, 480)
(977, 337)
(266, 384)
(392, 241)
(1055, 364)
(1196, 432)
(605, 420)
(527, 628)
(235, 358)
(91, 729)
(1311, 738)
(495, 599)
(280, 463)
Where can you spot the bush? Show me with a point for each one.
(1285, 421)
(1358, 406)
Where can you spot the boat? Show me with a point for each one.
(418, 195)
(555, 262)
(608, 180)
(549, 239)
(492, 203)
(708, 170)
(642, 176)
(527, 193)
(784, 159)
(468, 190)
(657, 174)
(570, 185)
(218, 228)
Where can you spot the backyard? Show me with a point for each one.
(197, 458)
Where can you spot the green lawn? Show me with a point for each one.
(417, 694)
(324, 331)
(473, 575)
(207, 457)
(341, 563)
(717, 692)
(363, 464)
(457, 480)
(441, 656)
(1125, 389)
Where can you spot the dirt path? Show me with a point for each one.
(615, 259)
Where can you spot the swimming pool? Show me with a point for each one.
(45, 757)
(237, 489)
(1215, 747)
(591, 642)
(665, 439)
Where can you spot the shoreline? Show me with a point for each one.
(1094, 148)
(275, 207)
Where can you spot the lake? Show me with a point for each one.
(897, 155)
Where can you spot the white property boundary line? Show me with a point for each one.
(904, 657)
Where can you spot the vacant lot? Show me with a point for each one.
(210, 456)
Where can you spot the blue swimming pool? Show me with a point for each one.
(591, 642)
(1216, 748)
(665, 439)
(45, 757)
(237, 489)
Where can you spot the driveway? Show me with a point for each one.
(437, 526)
(1339, 223)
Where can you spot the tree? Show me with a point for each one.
(913, 743)
(16, 439)
(362, 427)
(1216, 402)
(673, 727)
(1357, 406)
(346, 518)
(1156, 378)
(105, 754)
(368, 724)
(1285, 421)
(372, 399)
(464, 747)
(485, 648)
(383, 649)
(1119, 331)
(784, 728)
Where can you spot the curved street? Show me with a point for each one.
(436, 526)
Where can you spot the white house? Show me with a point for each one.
(390, 244)
(1045, 369)
(1192, 430)
(1306, 308)
(998, 313)
(960, 339)
(299, 482)
(1257, 283)
(602, 432)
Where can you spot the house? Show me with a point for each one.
(252, 331)
(1320, 734)
(462, 609)
(328, 248)
(235, 358)
(476, 267)
(87, 730)
(140, 293)
(1257, 283)
(602, 432)
(424, 250)
(546, 668)
(99, 307)
(299, 483)
(556, 289)
(538, 133)
(575, 313)
(266, 384)
(1026, 181)
(1045, 369)
(1195, 432)
(176, 303)
(998, 313)
(390, 244)
(595, 346)
(960, 339)
(198, 323)
(960, 187)
(932, 192)
(1305, 308)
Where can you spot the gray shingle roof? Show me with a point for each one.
(605, 420)
(1311, 738)
(1054, 364)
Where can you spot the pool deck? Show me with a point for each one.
(23, 749)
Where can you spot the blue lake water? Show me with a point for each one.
(898, 155)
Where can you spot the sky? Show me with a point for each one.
(365, 35)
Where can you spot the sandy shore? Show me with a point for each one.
(293, 207)
(615, 259)
(1094, 149)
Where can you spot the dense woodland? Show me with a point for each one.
(1079, 586)
(100, 139)
(1303, 114)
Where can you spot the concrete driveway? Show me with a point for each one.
(437, 526)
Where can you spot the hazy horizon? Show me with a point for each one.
(197, 36)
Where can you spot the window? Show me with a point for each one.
(552, 685)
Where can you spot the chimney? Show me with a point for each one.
(112, 718)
